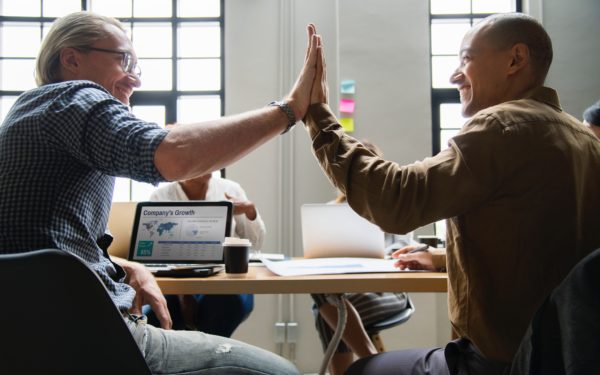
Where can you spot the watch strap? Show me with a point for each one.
(289, 112)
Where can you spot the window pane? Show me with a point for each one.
(152, 40)
(198, 109)
(151, 113)
(152, 8)
(45, 28)
(199, 75)
(121, 192)
(440, 230)
(6, 102)
(446, 35)
(29, 8)
(445, 136)
(113, 8)
(196, 8)
(199, 40)
(450, 6)
(59, 8)
(156, 74)
(493, 6)
(441, 69)
(17, 74)
(451, 116)
(19, 39)
(140, 191)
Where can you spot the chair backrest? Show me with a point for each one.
(397, 319)
(392, 321)
(563, 337)
(57, 317)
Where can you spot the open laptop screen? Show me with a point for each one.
(335, 230)
(180, 232)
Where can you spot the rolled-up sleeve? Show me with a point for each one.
(104, 135)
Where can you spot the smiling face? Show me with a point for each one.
(105, 68)
(481, 76)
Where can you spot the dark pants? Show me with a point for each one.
(217, 314)
(459, 357)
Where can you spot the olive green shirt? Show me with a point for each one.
(520, 187)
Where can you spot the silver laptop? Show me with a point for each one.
(335, 230)
(170, 235)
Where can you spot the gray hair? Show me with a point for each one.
(508, 29)
(76, 30)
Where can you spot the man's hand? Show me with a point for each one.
(299, 97)
(146, 292)
(242, 207)
(422, 260)
(320, 89)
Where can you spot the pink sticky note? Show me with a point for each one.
(347, 105)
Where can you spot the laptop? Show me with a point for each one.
(175, 238)
(335, 230)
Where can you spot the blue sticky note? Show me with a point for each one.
(348, 86)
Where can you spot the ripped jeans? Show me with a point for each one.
(193, 352)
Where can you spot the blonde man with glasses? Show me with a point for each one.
(63, 143)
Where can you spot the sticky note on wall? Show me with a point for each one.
(347, 124)
(347, 105)
(348, 86)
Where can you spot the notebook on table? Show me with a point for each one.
(177, 238)
(335, 230)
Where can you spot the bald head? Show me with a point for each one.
(506, 30)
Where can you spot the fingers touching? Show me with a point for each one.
(299, 97)
(320, 90)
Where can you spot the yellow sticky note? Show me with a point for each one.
(347, 124)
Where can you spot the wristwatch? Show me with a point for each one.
(283, 105)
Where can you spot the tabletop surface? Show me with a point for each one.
(259, 280)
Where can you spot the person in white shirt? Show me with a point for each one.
(246, 222)
(214, 314)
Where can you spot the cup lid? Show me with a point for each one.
(234, 241)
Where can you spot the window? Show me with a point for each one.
(179, 44)
(449, 21)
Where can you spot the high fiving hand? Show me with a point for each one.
(320, 89)
(299, 97)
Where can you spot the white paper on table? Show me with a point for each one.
(330, 266)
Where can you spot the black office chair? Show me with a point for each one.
(374, 329)
(56, 317)
(564, 335)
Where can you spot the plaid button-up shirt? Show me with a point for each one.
(61, 146)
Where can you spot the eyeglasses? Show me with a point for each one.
(128, 65)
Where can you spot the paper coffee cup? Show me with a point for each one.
(236, 254)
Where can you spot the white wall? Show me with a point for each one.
(574, 27)
(383, 45)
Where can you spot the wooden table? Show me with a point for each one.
(259, 280)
